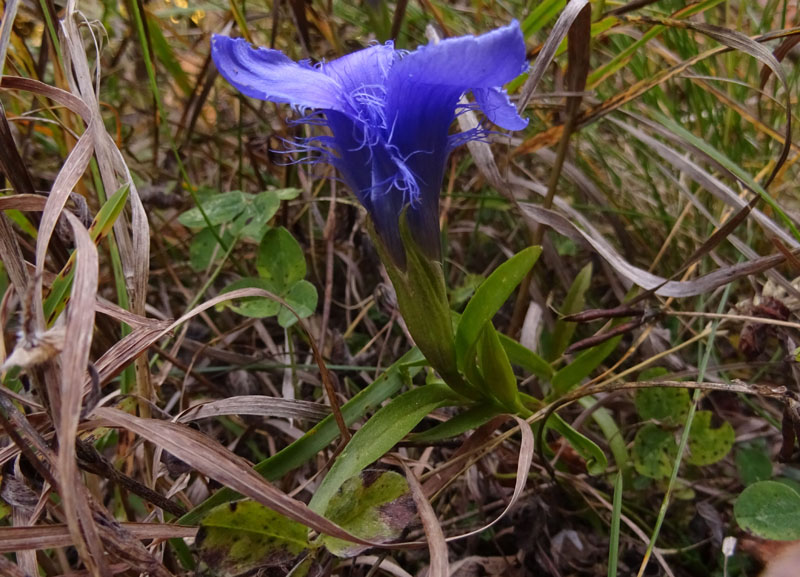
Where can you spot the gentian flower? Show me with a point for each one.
(389, 113)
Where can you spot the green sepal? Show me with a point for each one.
(422, 300)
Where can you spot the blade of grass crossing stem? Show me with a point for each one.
(701, 371)
(616, 514)
(549, 48)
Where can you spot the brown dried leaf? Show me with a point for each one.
(256, 405)
(14, 539)
(641, 277)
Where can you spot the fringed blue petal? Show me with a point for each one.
(270, 75)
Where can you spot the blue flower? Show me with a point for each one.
(389, 113)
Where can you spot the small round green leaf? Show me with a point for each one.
(654, 452)
(302, 297)
(258, 211)
(753, 464)
(280, 259)
(202, 248)
(219, 208)
(663, 404)
(770, 510)
(243, 536)
(707, 445)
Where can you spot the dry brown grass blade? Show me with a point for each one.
(478, 443)
(256, 405)
(9, 15)
(562, 26)
(140, 339)
(62, 97)
(11, 162)
(74, 360)
(129, 348)
(437, 545)
(579, 42)
(15, 539)
(208, 457)
(15, 171)
(11, 256)
(523, 469)
(640, 277)
(65, 182)
(126, 350)
(116, 312)
(444, 476)
(781, 52)
(134, 245)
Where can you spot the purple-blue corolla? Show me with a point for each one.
(389, 113)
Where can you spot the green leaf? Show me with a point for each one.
(608, 425)
(707, 445)
(280, 259)
(202, 248)
(302, 297)
(596, 461)
(489, 297)
(541, 15)
(525, 358)
(470, 419)
(287, 193)
(378, 435)
(219, 208)
(165, 55)
(654, 452)
(498, 376)
(753, 464)
(573, 303)
(374, 505)
(665, 404)
(258, 211)
(770, 510)
(570, 376)
(253, 307)
(243, 536)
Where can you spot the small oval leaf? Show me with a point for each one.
(770, 510)
(707, 445)
(280, 259)
(654, 452)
